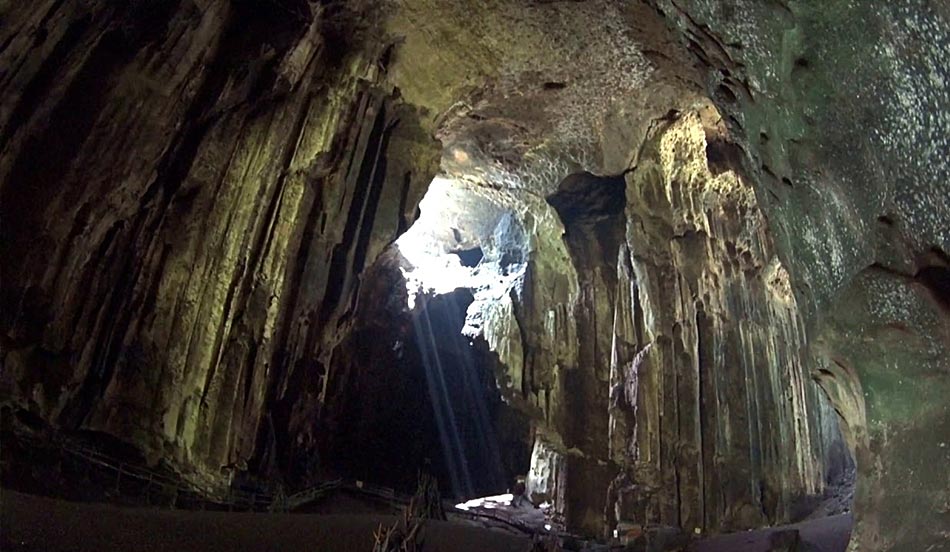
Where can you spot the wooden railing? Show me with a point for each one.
(131, 481)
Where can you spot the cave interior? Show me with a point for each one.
(636, 273)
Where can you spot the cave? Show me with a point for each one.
(648, 275)
(433, 401)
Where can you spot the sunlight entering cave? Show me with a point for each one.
(462, 239)
(461, 261)
(433, 268)
(682, 281)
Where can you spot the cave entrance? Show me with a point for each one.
(474, 449)
(463, 239)
(463, 255)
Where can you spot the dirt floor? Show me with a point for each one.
(830, 534)
(36, 524)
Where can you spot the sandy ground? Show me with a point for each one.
(36, 524)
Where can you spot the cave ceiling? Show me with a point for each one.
(200, 198)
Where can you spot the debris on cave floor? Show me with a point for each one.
(38, 524)
(405, 535)
(516, 510)
(427, 502)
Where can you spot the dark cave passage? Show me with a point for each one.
(429, 403)
(481, 449)
(470, 257)
(422, 391)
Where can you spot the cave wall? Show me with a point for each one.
(192, 297)
(686, 399)
(191, 190)
(842, 110)
(731, 431)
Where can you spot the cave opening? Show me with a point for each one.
(425, 392)
(470, 257)
(463, 239)
(222, 292)
(462, 256)
(479, 450)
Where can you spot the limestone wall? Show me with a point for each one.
(190, 191)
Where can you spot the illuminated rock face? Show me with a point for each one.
(724, 394)
(191, 192)
(683, 398)
(843, 108)
(199, 198)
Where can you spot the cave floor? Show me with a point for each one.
(32, 523)
(829, 534)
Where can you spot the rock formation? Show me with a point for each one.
(693, 239)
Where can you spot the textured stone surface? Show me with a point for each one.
(724, 396)
(194, 191)
(191, 192)
(842, 107)
(657, 345)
